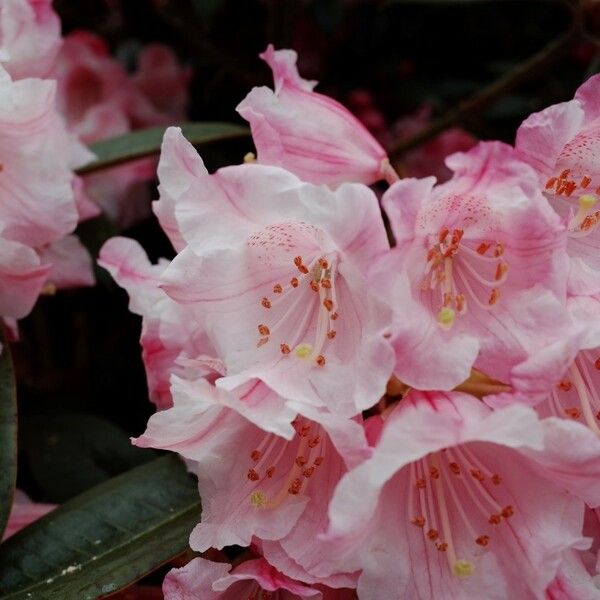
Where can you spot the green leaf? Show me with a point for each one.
(8, 431)
(146, 142)
(68, 454)
(104, 539)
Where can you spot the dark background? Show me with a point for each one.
(81, 382)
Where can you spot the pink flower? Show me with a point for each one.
(256, 579)
(70, 261)
(479, 272)
(276, 267)
(163, 81)
(23, 513)
(455, 503)
(170, 331)
(561, 143)
(29, 37)
(307, 133)
(259, 475)
(429, 158)
(37, 202)
(575, 579)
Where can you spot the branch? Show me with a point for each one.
(491, 93)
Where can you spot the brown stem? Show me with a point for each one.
(487, 96)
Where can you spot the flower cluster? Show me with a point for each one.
(55, 95)
(306, 369)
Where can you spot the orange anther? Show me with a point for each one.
(308, 472)
(499, 249)
(334, 316)
(255, 455)
(300, 461)
(550, 183)
(323, 264)
(574, 413)
(263, 330)
(483, 540)
(455, 468)
(314, 286)
(298, 261)
(314, 442)
(565, 385)
(328, 304)
(494, 297)
(294, 282)
(253, 475)
(318, 461)
(266, 302)
(277, 289)
(501, 270)
(420, 483)
(285, 349)
(262, 342)
(597, 363)
(326, 284)
(331, 334)
(320, 360)
(434, 472)
(295, 487)
(419, 521)
(564, 174)
(270, 472)
(496, 479)
(442, 546)
(508, 511)
(585, 181)
(442, 235)
(495, 519)
(483, 248)
(477, 474)
(433, 534)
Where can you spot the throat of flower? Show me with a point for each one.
(450, 489)
(454, 270)
(319, 276)
(309, 456)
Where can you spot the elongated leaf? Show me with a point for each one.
(146, 142)
(104, 539)
(8, 432)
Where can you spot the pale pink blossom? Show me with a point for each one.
(37, 201)
(262, 470)
(457, 503)
(253, 579)
(71, 263)
(277, 267)
(478, 275)
(577, 578)
(561, 143)
(170, 331)
(29, 37)
(23, 513)
(308, 133)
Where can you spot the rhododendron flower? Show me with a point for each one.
(561, 143)
(575, 579)
(253, 579)
(37, 203)
(455, 504)
(479, 271)
(29, 37)
(23, 513)
(276, 266)
(308, 133)
(255, 482)
(170, 331)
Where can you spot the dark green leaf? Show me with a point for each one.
(8, 432)
(104, 539)
(68, 454)
(146, 142)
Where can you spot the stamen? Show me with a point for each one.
(263, 329)
(331, 334)
(303, 350)
(320, 360)
(494, 297)
(277, 288)
(285, 349)
(328, 304)
(483, 248)
(294, 282)
(266, 302)
(253, 475)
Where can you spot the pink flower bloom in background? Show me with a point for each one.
(456, 502)
(170, 331)
(37, 202)
(562, 143)
(254, 482)
(29, 37)
(479, 271)
(256, 579)
(99, 99)
(277, 266)
(308, 133)
(23, 513)
(429, 158)
(577, 578)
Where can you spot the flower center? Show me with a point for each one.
(319, 276)
(566, 185)
(575, 397)
(266, 470)
(473, 273)
(454, 485)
